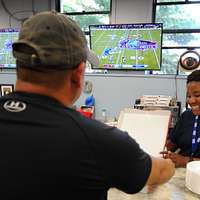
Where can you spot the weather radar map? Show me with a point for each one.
(127, 46)
(7, 37)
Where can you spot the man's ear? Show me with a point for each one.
(77, 75)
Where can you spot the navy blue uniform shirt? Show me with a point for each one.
(49, 151)
(181, 134)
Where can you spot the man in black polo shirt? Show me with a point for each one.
(49, 150)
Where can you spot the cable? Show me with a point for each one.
(12, 15)
(17, 12)
(8, 12)
(176, 85)
(115, 10)
(33, 7)
(49, 4)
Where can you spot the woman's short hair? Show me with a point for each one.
(194, 76)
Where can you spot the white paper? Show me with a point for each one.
(148, 128)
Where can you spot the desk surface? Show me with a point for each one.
(173, 190)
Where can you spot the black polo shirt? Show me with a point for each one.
(181, 134)
(49, 151)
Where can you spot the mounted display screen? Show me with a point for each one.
(127, 46)
(7, 37)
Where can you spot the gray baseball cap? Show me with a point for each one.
(52, 40)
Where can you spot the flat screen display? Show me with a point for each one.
(127, 46)
(7, 37)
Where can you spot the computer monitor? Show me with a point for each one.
(127, 46)
(7, 37)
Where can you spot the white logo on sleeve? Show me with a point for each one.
(14, 106)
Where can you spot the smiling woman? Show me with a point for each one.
(185, 137)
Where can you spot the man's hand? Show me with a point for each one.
(162, 170)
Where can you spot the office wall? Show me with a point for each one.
(115, 92)
(112, 91)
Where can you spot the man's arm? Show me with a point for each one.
(161, 171)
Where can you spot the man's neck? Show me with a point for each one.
(57, 94)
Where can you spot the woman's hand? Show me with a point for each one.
(178, 160)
